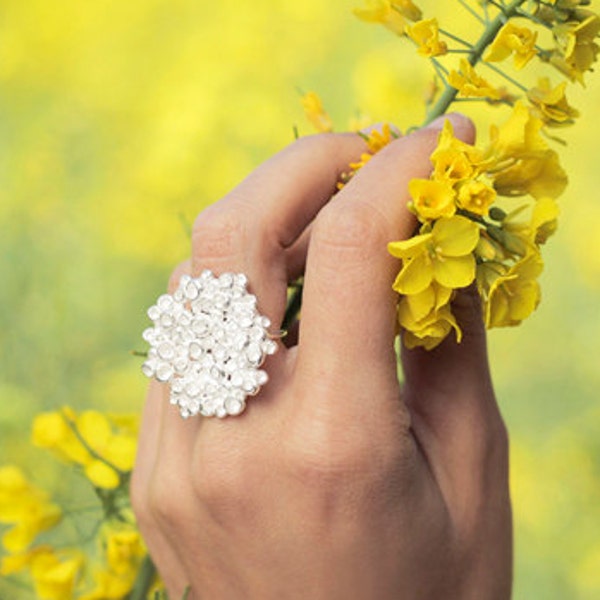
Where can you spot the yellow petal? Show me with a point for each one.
(101, 475)
(415, 276)
(456, 236)
(121, 452)
(95, 429)
(409, 248)
(455, 272)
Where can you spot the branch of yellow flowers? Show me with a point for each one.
(469, 232)
(475, 55)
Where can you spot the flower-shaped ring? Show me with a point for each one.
(208, 343)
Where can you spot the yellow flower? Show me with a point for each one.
(544, 220)
(453, 159)
(476, 197)
(124, 550)
(426, 317)
(550, 104)
(315, 113)
(26, 507)
(512, 39)
(426, 35)
(377, 140)
(518, 136)
(541, 175)
(432, 199)
(390, 14)
(542, 224)
(577, 46)
(523, 162)
(514, 295)
(102, 453)
(470, 84)
(123, 554)
(444, 255)
(55, 575)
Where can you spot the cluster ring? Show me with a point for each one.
(208, 343)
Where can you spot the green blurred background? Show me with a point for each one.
(120, 120)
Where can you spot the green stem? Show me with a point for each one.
(505, 76)
(73, 426)
(144, 580)
(487, 37)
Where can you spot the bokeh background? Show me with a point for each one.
(120, 120)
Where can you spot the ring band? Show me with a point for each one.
(208, 342)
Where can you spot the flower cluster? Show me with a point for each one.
(102, 448)
(485, 211)
(471, 230)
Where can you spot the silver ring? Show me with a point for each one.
(208, 343)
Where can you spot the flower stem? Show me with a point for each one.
(144, 580)
(487, 37)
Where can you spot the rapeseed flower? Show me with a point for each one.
(576, 43)
(426, 35)
(551, 105)
(89, 441)
(315, 113)
(391, 14)
(514, 295)
(470, 84)
(432, 199)
(426, 317)
(515, 40)
(476, 197)
(26, 507)
(442, 255)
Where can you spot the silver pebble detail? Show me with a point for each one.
(208, 342)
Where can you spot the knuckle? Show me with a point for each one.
(165, 497)
(218, 232)
(330, 456)
(348, 228)
(219, 480)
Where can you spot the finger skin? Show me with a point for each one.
(349, 306)
(327, 486)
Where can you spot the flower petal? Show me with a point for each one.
(455, 272)
(456, 236)
(415, 276)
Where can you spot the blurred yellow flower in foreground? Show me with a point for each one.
(55, 575)
(123, 554)
(315, 113)
(88, 440)
(24, 506)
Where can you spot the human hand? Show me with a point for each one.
(335, 483)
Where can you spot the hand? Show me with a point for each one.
(335, 483)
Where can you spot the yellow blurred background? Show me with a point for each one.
(120, 120)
